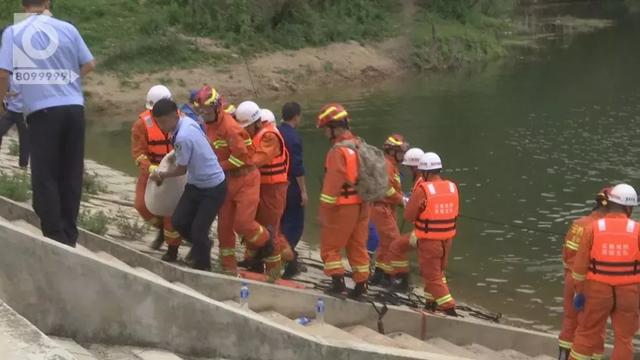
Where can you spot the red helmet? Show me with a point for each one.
(396, 141)
(333, 112)
(208, 96)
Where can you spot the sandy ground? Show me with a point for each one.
(265, 76)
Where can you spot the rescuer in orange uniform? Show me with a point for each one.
(343, 216)
(571, 244)
(607, 277)
(272, 159)
(383, 213)
(399, 248)
(233, 147)
(149, 144)
(434, 207)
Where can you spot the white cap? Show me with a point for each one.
(156, 93)
(624, 195)
(412, 157)
(268, 116)
(430, 161)
(247, 113)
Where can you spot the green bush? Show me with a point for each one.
(462, 10)
(16, 186)
(131, 228)
(91, 184)
(95, 222)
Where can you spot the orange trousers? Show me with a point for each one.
(171, 237)
(603, 300)
(273, 200)
(398, 251)
(345, 227)
(433, 257)
(572, 318)
(237, 215)
(383, 217)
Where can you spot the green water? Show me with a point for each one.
(529, 142)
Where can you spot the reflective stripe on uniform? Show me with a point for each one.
(171, 234)
(227, 252)
(390, 192)
(597, 356)
(219, 144)
(328, 199)
(248, 142)
(445, 299)
(578, 277)
(579, 356)
(384, 266)
(397, 178)
(332, 265)
(273, 259)
(255, 237)
(235, 161)
(140, 158)
(361, 268)
(400, 264)
(572, 245)
(428, 296)
(444, 280)
(565, 344)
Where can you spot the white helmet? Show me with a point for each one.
(268, 116)
(247, 113)
(430, 161)
(624, 195)
(412, 157)
(156, 93)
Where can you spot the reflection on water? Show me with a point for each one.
(530, 143)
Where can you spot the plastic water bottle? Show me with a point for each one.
(320, 311)
(303, 320)
(244, 296)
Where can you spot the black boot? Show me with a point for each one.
(337, 285)
(431, 306)
(246, 263)
(359, 290)
(171, 255)
(377, 277)
(156, 244)
(451, 312)
(563, 354)
(292, 269)
(401, 283)
(257, 263)
(387, 281)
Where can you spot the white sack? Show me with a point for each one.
(162, 200)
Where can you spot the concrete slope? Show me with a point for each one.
(69, 293)
(293, 303)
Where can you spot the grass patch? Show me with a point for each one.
(95, 222)
(91, 184)
(131, 228)
(14, 148)
(16, 186)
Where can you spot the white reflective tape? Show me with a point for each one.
(432, 189)
(631, 225)
(602, 225)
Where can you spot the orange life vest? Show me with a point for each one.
(158, 143)
(348, 194)
(276, 171)
(438, 219)
(615, 256)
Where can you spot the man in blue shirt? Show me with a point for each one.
(13, 116)
(292, 223)
(46, 57)
(206, 185)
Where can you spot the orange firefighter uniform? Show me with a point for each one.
(233, 147)
(343, 216)
(399, 248)
(570, 319)
(606, 271)
(148, 146)
(434, 207)
(272, 159)
(383, 216)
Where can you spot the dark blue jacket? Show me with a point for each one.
(293, 142)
